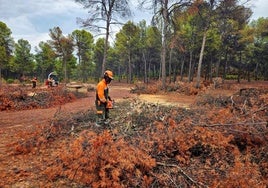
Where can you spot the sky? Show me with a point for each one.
(31, 19)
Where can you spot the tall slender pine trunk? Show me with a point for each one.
(163, 50)
(201, 59)
(103, 67)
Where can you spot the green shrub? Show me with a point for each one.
(231, 77)
(10, 81)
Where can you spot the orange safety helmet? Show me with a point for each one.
(109, 74)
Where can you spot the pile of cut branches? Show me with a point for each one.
(180, 87)
(22, 98)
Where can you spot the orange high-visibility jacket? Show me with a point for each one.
(102, 91)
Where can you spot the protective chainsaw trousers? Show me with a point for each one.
(102, 112)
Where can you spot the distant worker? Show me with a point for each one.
(103, 100)
(53, 82)
(50, 82)
(34, 82)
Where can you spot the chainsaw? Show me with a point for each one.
(110, 104)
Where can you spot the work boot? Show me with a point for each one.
(97, 124)
(107, 121)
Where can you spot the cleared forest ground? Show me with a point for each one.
(184, 138)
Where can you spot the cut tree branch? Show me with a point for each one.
(199, 184)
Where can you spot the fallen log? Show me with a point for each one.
(75, 86)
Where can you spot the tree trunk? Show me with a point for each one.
(239, 67)
(103, 67)
(145, 68)
(217, 67)
(225, 65)
(210, 69)
(149, 71)
(169, 64)
(175, 74)
(0, 76)
(160, 71)
(119, 73)
(129, 69)
(65, 70)
(163, 49)
(190, 66)
(182, 68)
(201, 59)
(248, 73)
(256, 72)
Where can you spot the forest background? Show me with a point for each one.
(212, 136)
(186, 39)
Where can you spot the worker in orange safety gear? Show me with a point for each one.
(34, 81)
(103, 99)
